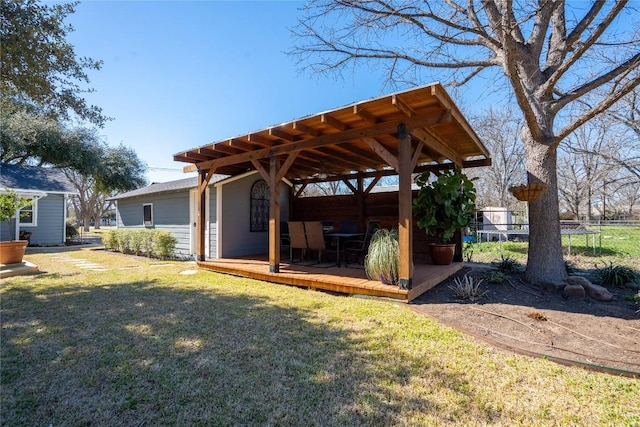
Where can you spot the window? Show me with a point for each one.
(147, 214)
(29, 214)
(259, 206)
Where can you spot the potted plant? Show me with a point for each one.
(442, 207)
(11, 252)
(383, 258)
(25, 235)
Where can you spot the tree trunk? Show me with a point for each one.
(545, 261)
(86, 219)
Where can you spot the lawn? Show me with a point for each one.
(619, 245)
(105, 339)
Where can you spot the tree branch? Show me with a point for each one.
(601, 107)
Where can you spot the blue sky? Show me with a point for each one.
(177, 75)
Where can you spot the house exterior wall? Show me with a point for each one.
(237, 239)
(170, 213)
(50, 219)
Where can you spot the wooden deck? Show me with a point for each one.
(351, 281)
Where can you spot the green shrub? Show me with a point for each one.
(70, 231)
(110, 240)
(468, 248)
(161, 244)
(124, 241)
(508, 265)
(496, 277)
(136, 241)
(633, 298)
(147, 242)
(618, 276)
(164, 244)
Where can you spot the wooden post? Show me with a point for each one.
(360, 202)
(274, 215)
(201, 219)
(273, 177)
(405, 216)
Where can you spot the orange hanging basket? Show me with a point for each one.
(528, 192)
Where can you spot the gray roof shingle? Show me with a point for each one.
(20, 177)
(162, 187)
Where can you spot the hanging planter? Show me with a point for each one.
(528, 192)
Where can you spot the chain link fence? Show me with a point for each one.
(499, 233)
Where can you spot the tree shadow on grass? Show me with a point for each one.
(143, 353)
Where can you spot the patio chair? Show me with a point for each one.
(315, 237)
(297, 238)
(360, 247)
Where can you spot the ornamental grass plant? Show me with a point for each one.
(382, 261)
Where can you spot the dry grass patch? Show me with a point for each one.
(148, 346)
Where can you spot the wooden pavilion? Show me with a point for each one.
(398, 134)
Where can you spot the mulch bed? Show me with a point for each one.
(519, 317)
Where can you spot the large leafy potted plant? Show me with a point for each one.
(11, 252)
(383, 258)
(442, 207)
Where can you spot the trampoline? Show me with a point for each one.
(565, 230)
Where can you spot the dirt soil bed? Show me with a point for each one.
(519, 317)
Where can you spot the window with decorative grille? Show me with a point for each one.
(259, 206)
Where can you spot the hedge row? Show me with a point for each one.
(152, 243)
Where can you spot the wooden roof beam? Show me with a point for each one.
(306, 129)
(195, 156)
(241, 145)
(359, 111)
(446, 101)
(259, 140)
(337, 160)
(390, 172)
(382, 151)
(355, 151)
(337, 138)
(402, 106)
(437, 145)
(333, 122)
(217, 150)
(183, 158)
(278, 133)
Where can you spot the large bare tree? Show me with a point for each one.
(500, 130)
(584, 165)
(549, 52)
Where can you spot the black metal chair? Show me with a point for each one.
(360, 247)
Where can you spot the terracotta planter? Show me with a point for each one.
(12, 252)
(442, 253)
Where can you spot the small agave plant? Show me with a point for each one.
(467, 288)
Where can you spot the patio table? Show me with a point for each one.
(341, 237)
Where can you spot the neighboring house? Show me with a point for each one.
(237, 211)
(48, 189)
